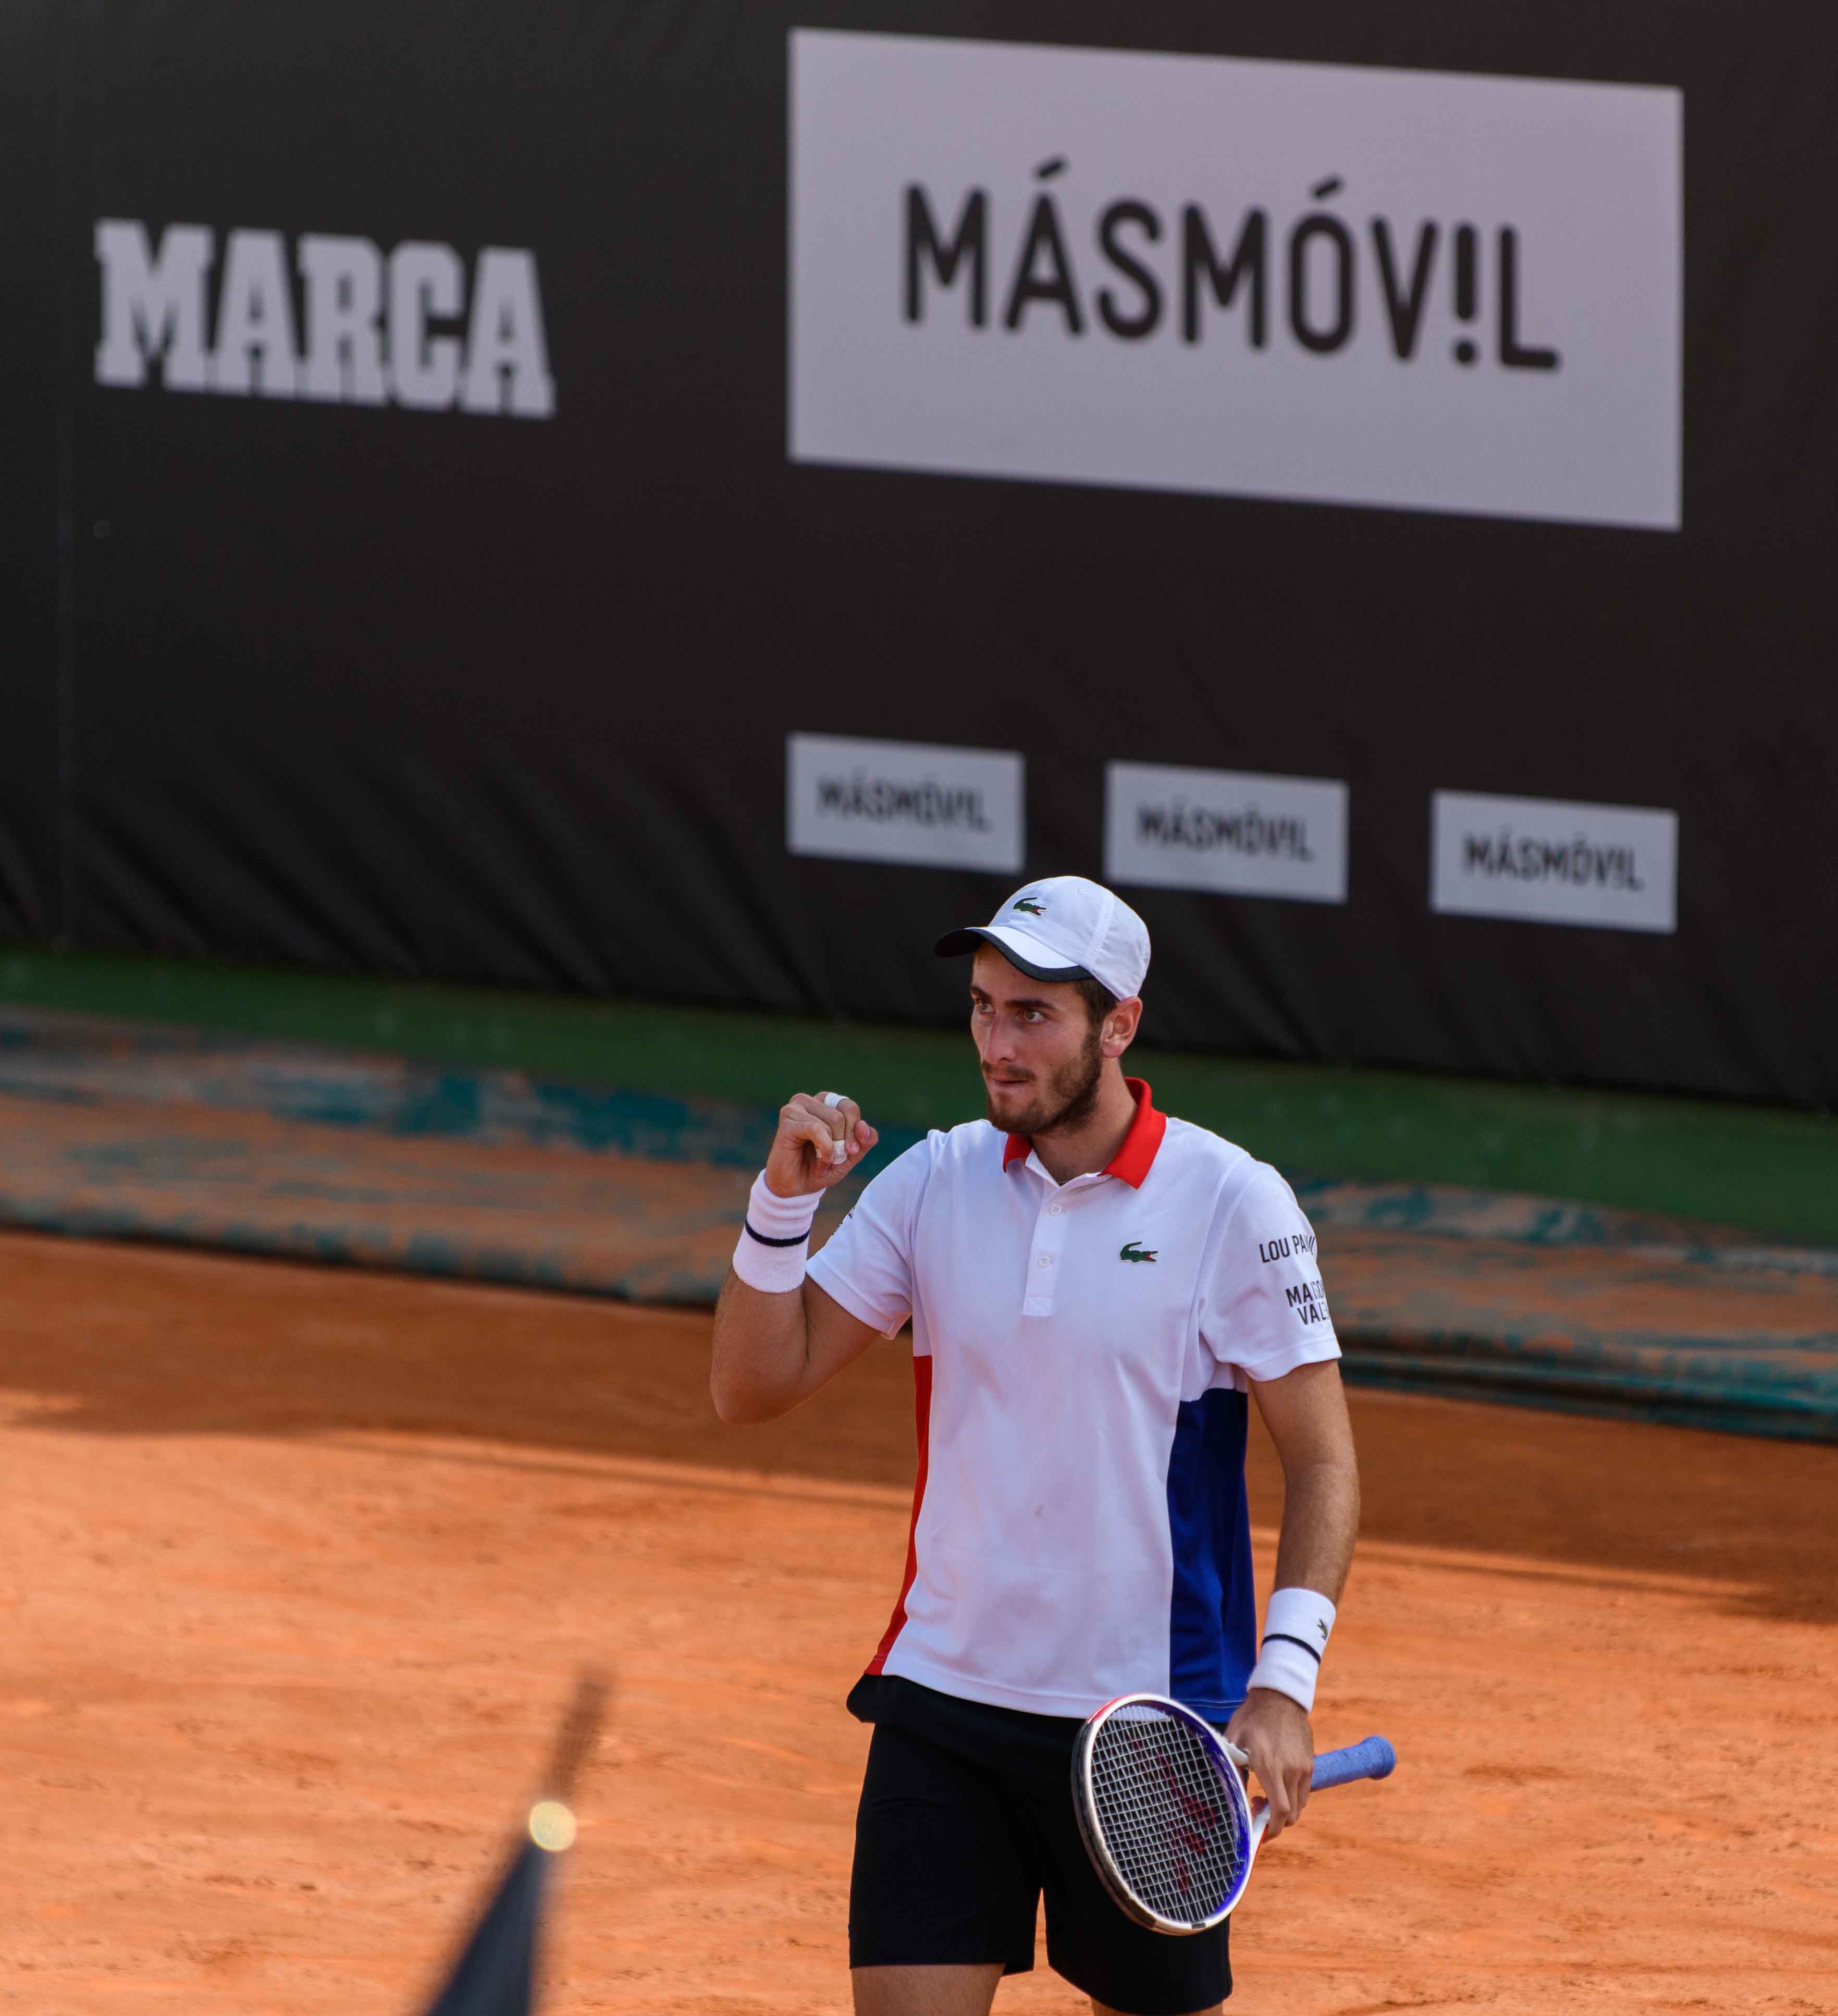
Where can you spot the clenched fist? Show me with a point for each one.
(821, 1137)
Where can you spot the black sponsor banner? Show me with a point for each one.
(1405, 569)
(34, 460)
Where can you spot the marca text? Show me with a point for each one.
(329, 318)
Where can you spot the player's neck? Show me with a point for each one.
(1092, 1144)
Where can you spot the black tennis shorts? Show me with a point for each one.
(965, 1819)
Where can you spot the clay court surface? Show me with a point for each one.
(298, 1563)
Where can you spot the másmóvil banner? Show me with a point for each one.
(1340, 284)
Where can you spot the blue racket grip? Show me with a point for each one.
(1373, 1758)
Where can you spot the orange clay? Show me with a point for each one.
(297, 1565)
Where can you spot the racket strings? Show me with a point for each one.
(1173, 1829)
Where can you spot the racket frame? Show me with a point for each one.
(1224, 1759)
(1373, 1758)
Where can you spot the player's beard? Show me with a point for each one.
(1069, 1096)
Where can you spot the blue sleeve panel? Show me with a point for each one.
(1213, 1612)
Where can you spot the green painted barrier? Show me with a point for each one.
(1772, 1171)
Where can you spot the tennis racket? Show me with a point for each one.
(1165, 1813)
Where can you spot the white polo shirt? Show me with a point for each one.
(1080, 1352)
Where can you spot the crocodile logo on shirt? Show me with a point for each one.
(1134, 1251)
(1031, 906)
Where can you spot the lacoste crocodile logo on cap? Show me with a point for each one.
(1134, 1251)
(1031, 906)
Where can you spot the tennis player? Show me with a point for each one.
(1096, 1291)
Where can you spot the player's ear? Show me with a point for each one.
(1119, 1026)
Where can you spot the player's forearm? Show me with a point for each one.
(1305, 1411)
(761, 1367)
(1320, 1523)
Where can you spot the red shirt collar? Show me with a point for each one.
(1133, 1160)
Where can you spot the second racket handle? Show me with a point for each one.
(1373, 1758)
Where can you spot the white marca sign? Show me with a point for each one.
(322, 317)
(1308, 281)
(909, 801)
(1554, 863)
(1236, 831)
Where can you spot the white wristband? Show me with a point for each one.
(1297, 1627)
(775, 1241)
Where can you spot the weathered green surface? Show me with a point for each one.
(124, 1128)
(1774, 1171)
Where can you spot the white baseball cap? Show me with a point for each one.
(1064, 928)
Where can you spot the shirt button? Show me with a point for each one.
(1056, 1208)
(1046, 1259)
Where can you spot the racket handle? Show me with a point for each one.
(1373, 1758)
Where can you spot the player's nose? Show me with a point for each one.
(1002, 1047)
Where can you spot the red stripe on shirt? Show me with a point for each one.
(922, 1410)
